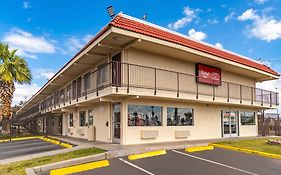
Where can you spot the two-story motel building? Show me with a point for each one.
(136, 82)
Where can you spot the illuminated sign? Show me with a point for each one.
(208, 74)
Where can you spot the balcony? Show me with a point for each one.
(130, 79)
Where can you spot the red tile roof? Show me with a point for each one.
(136, 26)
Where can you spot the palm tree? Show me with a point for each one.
(13, 69)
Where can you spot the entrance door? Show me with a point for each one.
(230, 123)
(116, 122)
(116, 70)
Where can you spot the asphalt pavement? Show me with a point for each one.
(179, 162)
(25, 147)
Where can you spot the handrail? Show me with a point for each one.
(100, 81)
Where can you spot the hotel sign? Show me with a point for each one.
(208, 74)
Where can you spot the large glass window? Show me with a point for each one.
(140, 115)
(82, 119)
(179, 116)
(70, 120)
(247, 118)
(90, 118)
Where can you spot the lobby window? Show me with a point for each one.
(140, 115)
(247, 118)
(90, 118)
(82, 119)
(179, 116)
(70, 120)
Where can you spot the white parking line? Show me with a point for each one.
(135, 166)
(216, 163)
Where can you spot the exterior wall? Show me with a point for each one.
(249, 130)
(144, 58)
(64, 124)
(207, 123)
(101, 115)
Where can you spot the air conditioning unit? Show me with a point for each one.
(149, 134)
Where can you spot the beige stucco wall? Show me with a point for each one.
(101, 115)
(140, 57)
(249, 130)
(207, 123)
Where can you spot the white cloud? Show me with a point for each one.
(197, 35)
(27, 44)
(249, 14)
(229, 17)
(263, 27)
(260, 1)
(44, 73)
(219, 45)
(189, 15)
(24, 92)
(26, 5)
(87, 38)
(73, 44)
(214, 21)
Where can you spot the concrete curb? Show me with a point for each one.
(102, 156)
(68, 163)
(248, 151)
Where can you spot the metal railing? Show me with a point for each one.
(125, 75)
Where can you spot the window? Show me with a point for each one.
(179, 116)
(87, 81)
(139, 115)
(102, 71)
(90, 118)
(70, 120)
(82, 119)
(247, 118)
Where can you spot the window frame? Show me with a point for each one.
(192, 109)
(80, 112)
(69, 116)
(247, 124)
(161, 117)
(90, 111)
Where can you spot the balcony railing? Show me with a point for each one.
(131, 76)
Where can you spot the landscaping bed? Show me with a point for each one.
(18, 168)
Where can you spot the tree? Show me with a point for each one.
(13, 69)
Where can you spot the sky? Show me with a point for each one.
(48, 33)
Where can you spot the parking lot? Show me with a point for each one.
(179, 162)
(25, 147)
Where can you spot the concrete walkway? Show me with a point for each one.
(151, 146)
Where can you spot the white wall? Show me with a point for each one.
(207, 123)
(101, 114)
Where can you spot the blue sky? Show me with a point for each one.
(48, 33)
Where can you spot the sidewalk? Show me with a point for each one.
(151, 146)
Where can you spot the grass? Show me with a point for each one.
(18, 168)
(5, 136)
(259, 144)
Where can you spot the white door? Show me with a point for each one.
(230, 123)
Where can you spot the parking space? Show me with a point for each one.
(179, 162)
(25, 147)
